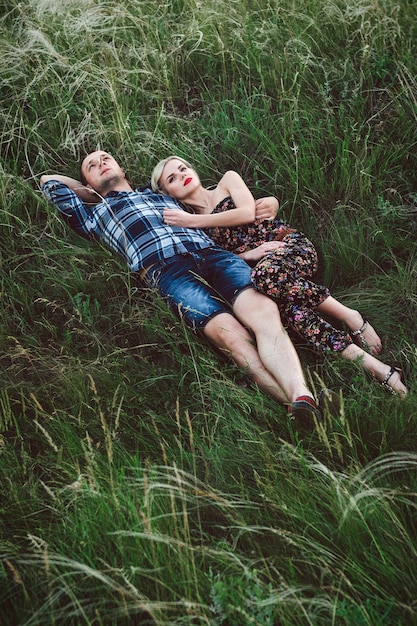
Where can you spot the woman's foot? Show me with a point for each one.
(364, 335)
(387, 375)
(392, 382)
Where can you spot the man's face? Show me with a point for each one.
(101, 171)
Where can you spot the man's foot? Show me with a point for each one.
(305, 409)
(366, 337)
(329, 403)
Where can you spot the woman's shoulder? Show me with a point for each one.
(229, 182)
(231, 176)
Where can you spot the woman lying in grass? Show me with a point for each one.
(283, 260)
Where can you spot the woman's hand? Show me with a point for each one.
(266, 208)
(255, 255)
(176, 217)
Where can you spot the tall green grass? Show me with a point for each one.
(144, 480)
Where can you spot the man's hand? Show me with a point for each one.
(266, 208)
(87, 194)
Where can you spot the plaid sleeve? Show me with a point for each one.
(73, 211)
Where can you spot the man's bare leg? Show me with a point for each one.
(276, 351)
(228, 334)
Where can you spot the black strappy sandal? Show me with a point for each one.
(357, 335)
(386, 385)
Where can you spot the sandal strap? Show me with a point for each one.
(392, 371)
(361, 329)
(384, 382)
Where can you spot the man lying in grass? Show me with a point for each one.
(189, 271)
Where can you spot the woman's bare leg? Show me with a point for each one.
(376, 368)
(353, 320)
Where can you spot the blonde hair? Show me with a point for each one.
(159, 168)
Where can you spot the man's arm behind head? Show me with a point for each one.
(86, 194)
(74, 202)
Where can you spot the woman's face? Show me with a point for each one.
(178, 179)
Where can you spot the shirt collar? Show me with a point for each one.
(113, 193)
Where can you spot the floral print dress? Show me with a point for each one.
(285, 276)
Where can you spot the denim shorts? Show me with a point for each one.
(199, 285)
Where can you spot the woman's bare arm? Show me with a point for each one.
(232, 185)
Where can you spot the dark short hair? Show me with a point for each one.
(81, 175)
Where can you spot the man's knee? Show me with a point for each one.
(227, 333)
(251, 304)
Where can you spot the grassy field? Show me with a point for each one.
(144, 480)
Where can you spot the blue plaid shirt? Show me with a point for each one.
(129, 222)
